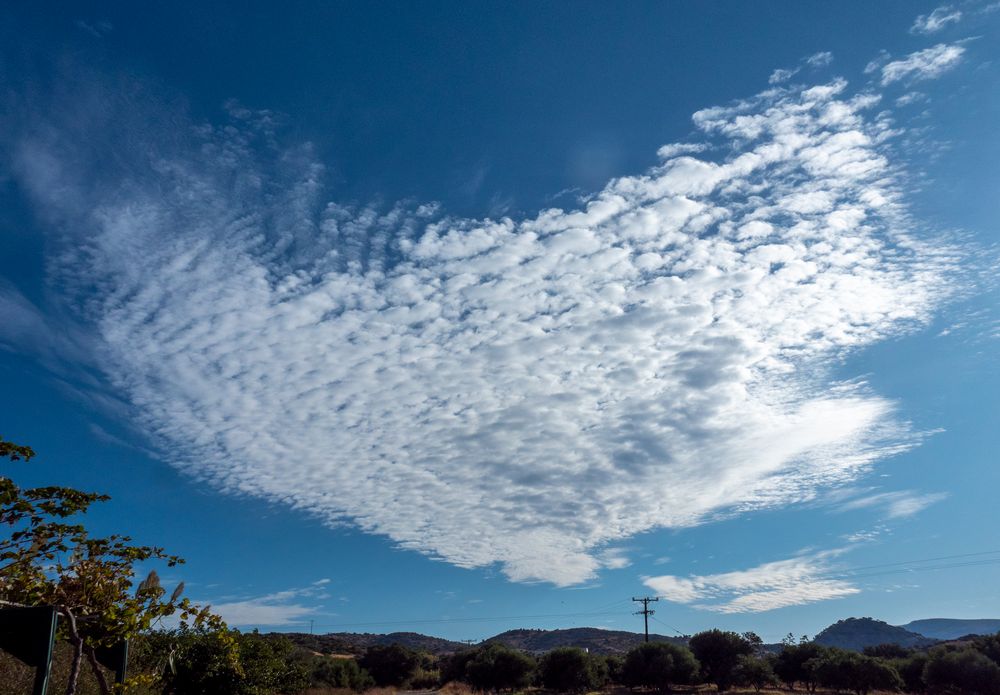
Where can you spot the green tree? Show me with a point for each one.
(50, 559)
(789, 664)
(845, 670)
(658, 665)
(614, 664)
(755, 672)
(497, 667)
(391, 665)
(570, 670)
(226, 662)
(719, 653)
(965, 671)
(339, 673)
(911, 670)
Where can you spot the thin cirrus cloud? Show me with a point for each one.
(921, 65)
(528, 391)
(792, 582)
(277, 609)
(937, 20)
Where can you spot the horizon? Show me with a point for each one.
(388, 315)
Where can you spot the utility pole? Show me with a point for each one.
(645, 612)
(310, 627)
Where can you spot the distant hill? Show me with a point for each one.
(951, 628)
(858, 633)
(356, 643)
(596, 640)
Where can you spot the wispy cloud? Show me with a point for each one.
(515, 391)
(819, 60)
(781, 75)
(278, 609)
(921, 65)
(898, 504)
(780, 584)
(936, 21)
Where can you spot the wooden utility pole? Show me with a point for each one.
(646, 611)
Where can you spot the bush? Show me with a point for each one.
(339, 673)
(571, 670)
(659, 665)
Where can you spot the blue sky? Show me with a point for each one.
(396, 317)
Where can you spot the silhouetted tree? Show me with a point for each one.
(966, 671)
(789, 664)
(718, 653)
(498, 667)
(659, 665)
(391, 665)
(571, 670)
(755, 672)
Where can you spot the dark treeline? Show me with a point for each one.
(200, 662)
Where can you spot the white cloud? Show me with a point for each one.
(922, 65)
(936, 20)
(897, 505)
(821, 59)
(781, 75)
(278, 609)
(791, 582)
(514, 391)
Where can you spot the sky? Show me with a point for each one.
(421, 317)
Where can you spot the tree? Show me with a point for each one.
(570, 670)
(223, 662)
(844, 670)
(911, 670)
(755, 672)
(966, 671)
(391, 665)
(614, 665)
(498, 667)
(719, 653)
(49, 560)
(789, 665)
(658, 665)
(339, 673)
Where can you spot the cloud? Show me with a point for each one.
(936, 20)
(278, 609)
(921, 65)
(781, 75)
(897, 505)
(526, 391)
(819, 60)
(780, 584)
(98, 29)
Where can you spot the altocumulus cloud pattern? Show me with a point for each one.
(525, 392)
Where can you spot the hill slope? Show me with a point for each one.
(858, 633)
(951, 628)
(356, 643)
(596, 640)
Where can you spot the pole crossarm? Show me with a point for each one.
(646, 611)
